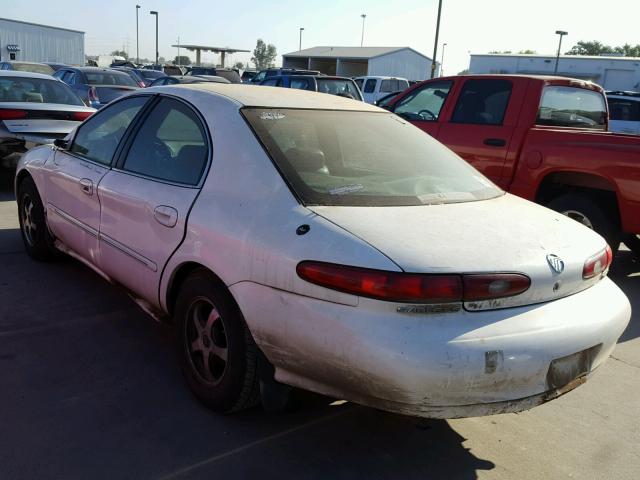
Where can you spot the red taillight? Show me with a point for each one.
(390, 286)
(498, 285)
(412, 287)
(81, 116)
(598, 264)
(12, 114)
(92, 94)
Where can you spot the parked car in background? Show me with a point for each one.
(383, 102)
(330, 246)
(150, 75)
(342, 86)
(273, 72)
(374, 88)
(542, 138)
(134, 74)
(34, 109)
(32, 67)
(227, 73)
(186, 79)
(97, 86)
(56, 66)
(624, 112)
(247, 75)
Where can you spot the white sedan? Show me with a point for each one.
(313, 241)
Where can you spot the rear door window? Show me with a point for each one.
(370, 85)
(572, 107)
(301, 83)
(171, 145)
(482, 102)
(623, 109)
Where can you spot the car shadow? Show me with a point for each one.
(625, 272)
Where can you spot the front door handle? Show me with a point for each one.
(165, 215)
(495, 142)
(86, 185)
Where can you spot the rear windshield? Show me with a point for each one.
(623, 109)
(338, 86)
(572, 107)
(364, 158)
(230, 75)
(110, 78)
(36, 90)
(33, 68)
(393, 85)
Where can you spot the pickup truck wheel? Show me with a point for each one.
(633, 243)
(38, 242)
(216, 351)
(590, 213)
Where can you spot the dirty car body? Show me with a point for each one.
(368, 261)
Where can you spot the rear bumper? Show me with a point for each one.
(440, 366)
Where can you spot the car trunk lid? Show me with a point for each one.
(42, 118)
(504, 234)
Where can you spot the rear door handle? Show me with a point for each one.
(86, 185)
(495, 142)
(165, 215)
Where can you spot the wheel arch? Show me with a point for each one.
(180, 274)
(559, 182)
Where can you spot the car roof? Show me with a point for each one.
(98, 69)
(379, 77)
(270, 97)
(18, 73)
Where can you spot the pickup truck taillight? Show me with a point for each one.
(598, 264)
(412, 287)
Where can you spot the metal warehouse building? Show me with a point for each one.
(358, 61)
(32, 42)
(613, 73)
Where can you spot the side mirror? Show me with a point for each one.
(61, 143)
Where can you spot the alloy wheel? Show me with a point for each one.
(28, 225)
(579, 217)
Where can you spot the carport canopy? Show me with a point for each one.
(201, 48)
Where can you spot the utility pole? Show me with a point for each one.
(561, 33)
(362, 38)
(153, 12)
(300, 45)
(179, 59)
(137, 38)
(435, 45)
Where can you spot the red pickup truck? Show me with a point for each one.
(542, 138)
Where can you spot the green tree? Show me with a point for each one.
(590, 48)
(182, 60)
(238, 65)
(120, 53)
(527, 52)
(499, 52)
(263, 55)
(629, 50)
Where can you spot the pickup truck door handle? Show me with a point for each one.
(495, 142)
(86, 185)
(165, 215)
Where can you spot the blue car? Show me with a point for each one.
(97, 86)
(342, 86)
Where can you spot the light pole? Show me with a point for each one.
(364, 15)
(137, 38)
(435, 45)
(153, 12)
(561, 33)
(442, 60)
(300, 45)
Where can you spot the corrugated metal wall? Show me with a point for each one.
(403, 63)
(40, 43)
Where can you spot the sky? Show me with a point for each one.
(467, 26)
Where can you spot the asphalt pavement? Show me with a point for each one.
(91, 389)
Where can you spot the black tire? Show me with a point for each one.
(38, 242)
(224, 385)
(633, 243)
(601, 217)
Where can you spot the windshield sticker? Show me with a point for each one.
(346, 189)
(272, 116)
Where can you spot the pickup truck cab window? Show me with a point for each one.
(482, 102)
(572, 107)
(99, 137)
(424, 103)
